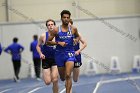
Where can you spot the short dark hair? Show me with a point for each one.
(65, 12)
(35, 37)
(50, 20)
(15, 39)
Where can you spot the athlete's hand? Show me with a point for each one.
(63, 44)
(77, 52)
(42, 56)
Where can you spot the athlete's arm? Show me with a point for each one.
(51, 37)
(38, 47)
(76, 34)
(84, 44)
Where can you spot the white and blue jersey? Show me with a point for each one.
(66, 37)
(66, 53)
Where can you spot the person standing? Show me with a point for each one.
(15, 50)
(46, 52)
(36, 57)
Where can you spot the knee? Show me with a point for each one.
(47, 82)
(67, 76)
(55, 79)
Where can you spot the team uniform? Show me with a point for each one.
(67, 53)
(49, 52)
(78, 62)
(36, 58)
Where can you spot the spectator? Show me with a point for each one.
(15, 50)
(36, 57)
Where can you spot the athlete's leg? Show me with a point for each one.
(47, 76)
(54, 75)
(69, 67)
(46, 71)
(62, 73)
(76, 69)
(76, 74)
(60, 58)
(50, 73)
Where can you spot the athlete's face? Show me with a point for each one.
(65, 19)
(50, 25)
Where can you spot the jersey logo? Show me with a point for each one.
(70, 54)
(69, 33)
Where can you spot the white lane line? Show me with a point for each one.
(121, 79)
(63, 90)
(5, 90)
(35, 89)
(116, 80)
(97, 86)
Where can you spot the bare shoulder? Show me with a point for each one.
(74, 29)
(43, 35)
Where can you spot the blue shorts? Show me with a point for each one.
(62, 57)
